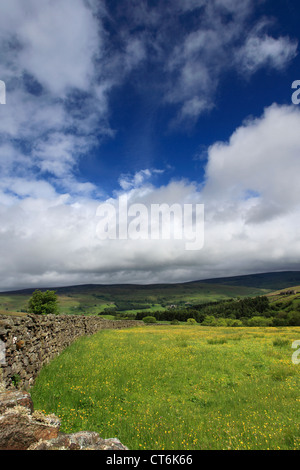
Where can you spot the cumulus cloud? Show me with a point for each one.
(57, 49)
(252, 214)
(261, 158)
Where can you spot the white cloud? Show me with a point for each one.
(58, 53)
(23, 188)
(261, 157)
(127, 182)
(267, 51)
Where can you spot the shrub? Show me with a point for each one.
(174, 322)
(209, 320)
(149, 319)
(191, 321)
(259, 321)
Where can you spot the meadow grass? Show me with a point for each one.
(178, 387)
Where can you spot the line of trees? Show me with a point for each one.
(255, 311)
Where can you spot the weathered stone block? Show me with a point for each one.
(9, 399)
(79, 441)
(19, 429)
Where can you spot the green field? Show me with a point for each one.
(178, 387)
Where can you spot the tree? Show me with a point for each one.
(43, 303)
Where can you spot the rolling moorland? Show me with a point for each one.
(216, 302)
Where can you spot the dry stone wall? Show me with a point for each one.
(28, 342)
(23, 428)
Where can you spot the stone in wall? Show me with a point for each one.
(10, 399)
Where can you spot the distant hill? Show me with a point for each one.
(105, 299)
(272, 281)
(269, 281)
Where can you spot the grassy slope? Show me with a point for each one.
(286, 302)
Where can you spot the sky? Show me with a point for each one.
(185, 102)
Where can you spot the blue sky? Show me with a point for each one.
(169, 101)
(149, 138)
